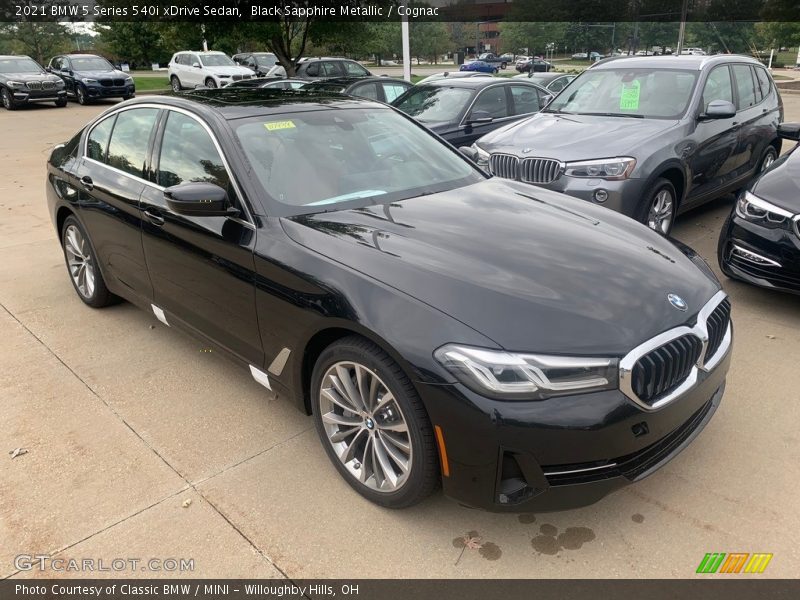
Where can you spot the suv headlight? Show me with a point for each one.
(16, 85)
(128, 80)
(88, 81)
(482, 156)
(752, 208)
(604, 168)
(512, 376)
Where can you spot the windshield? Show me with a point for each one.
(19, 65)
(643, 93)
(95, 63)
(434, 104)
(265, 59)
(216, 60)
(324, 160)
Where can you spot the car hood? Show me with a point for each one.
(780, 184)
(575, 137)
(233, 70)
(29, 77)
(531, 269)
(102, 74)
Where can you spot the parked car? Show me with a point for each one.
(479, 65)
(274, 83)
(650, 137)
(536, 65)
(209, 69)
(589, 56)
(382, 89)
(760, 241)
(439, 325)
(462, 110)
(453, 74)
(89, 77)
(323, 68)
(693, 51)
(552, 82)
(498, 61)
(259, 62)
(24, 81)
(521, 59)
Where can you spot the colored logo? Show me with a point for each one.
(734, 562)
(677, 301)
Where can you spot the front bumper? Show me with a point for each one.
(624, 196)
(30, 96)
(564, 452)
(100, 91)
(764, 256)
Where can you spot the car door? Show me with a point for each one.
(493, 102)
(752, 114)
(194, 74)
(710, 151)
(110, 179)
(67, 74)
(201, 267)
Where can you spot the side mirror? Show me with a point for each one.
(469, 152)
(547, 99)
(65, 71)
(196, 65)
(719, 109)
(199, 200)
(789, 131)
(479, 116)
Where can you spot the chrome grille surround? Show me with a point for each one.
(529, 170)
(34, 85)
(704, 363)
(504, 165)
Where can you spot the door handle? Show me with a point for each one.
(87, 182)
(154, 217)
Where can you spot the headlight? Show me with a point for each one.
(128, 80)
(59, 83)
(604, 168)
(510, 376)
(88, 81)
(752, 208)
(482, 156)
(15, 85)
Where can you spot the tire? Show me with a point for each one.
(651, 198)
(503, 66)
(210, 83)
(128, 96)
(496, 71)
(770, 154)
(8, 100)
(87, 279)
(61, 102)
(175, 83)
(80, 95)
(367, 427)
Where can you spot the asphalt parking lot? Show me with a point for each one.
(143, 444)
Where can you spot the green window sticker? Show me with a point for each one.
(629, 98)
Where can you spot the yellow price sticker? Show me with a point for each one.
(277, 125)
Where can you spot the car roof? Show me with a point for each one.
(548, 76)
(471, 82)
(673, 61)
(15, 56)
(340, 81)
(76, 55)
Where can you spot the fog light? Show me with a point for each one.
(600, 195)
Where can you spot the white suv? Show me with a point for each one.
(211, 69)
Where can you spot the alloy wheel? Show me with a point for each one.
(210, 83)
(662, 212)
(79, 259)
(7, 99)
(81, 95)
(365, 426)
(176, 84)
(768, 160)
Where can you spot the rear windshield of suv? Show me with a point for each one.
(620, 92)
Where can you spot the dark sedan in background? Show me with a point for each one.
(24, 81)
(527, 350)
(463, 110)
(760, 241)
(534, 65)
(382, 89)
(273, 83)
(88, 77)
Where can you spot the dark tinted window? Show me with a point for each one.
(312, 69)
(98, 139)
(365, 90)
(718, 86)
(526, 99)
(492, 101)
(354, 69)
(329, 69)
(744, 85)
(127, 150)
(762, 80)
(189, 154)
(558, 84)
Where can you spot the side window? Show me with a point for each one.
(329, 69)
(127, 149)
(354, 69)
(492, 101)
(366, 90)
(393, 90)
(526, 99)
(557, 85)
(55, 64)
(718, 86)
(312, 70)
(763, 81)
(744, 86)
(193, 59)
(97, 144)
(188, 154)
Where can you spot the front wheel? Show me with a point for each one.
(128, 96)
(61, 102)
(770, 154)
(660, 207)
(373, 425)
(175, 83)
(210, 83)
(8, 100)
(83, 266)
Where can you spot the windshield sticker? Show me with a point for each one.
(629, 98)
(277, 125)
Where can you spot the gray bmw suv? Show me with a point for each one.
(650, 137)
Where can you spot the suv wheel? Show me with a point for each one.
(83, 267)
(61, 102)
(176, 84)
(8, 100)
(660, 206)
(372, 424)
(769, 157)
(210, 83)
(80, 94)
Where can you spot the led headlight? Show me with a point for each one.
(15, 85)
(512, 376)
(128, 80)
(752, 208)
(604, 168)
(482, 156)
(88, 80)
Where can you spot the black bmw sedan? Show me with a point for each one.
(760, 241)
(526, 349)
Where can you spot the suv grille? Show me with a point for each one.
(717, 326)
(662, 370)
(34, 85)
(529, 170)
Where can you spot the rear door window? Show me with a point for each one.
(130, 139)
(744, 86)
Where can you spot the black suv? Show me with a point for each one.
(323, 68)
(90, 77)
(22, 80)
(649, 137)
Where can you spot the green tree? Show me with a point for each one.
(531, 36)
(39, 40)
(428, 39)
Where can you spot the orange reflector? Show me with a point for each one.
(442, 451)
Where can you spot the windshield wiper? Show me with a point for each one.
(611, 114)
(558, 112)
